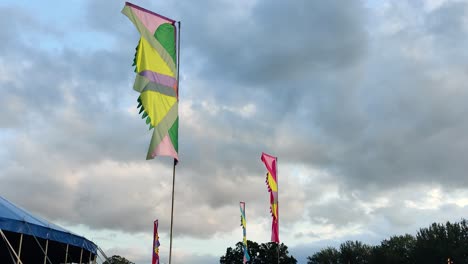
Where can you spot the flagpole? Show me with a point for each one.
(175, 161)
(172, 211)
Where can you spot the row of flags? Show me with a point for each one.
(272, 183)
(156, 64)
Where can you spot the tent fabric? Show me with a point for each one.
(18, 220)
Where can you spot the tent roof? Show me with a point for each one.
(18, 220)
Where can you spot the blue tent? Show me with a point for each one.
(34, 237)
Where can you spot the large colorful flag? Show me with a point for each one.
(244, 230)
(155, 244)
(272, 183)
(156, 78)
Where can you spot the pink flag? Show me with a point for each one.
(272, 183)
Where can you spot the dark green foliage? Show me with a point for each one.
(117, 260)
(439, 242)
(234, 256)
(432, 245)
(265, 253)
(328, 255)
(397, 249)
(354, 252)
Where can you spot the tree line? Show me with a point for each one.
(264, 253)
(436, 244)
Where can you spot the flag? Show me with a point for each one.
(272, 183)
(156, 78)
(244, 230)
(155, 244)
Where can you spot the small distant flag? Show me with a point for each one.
(155, 244)
(272, 183)
(244, 229)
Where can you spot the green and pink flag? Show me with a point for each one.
(157, 78)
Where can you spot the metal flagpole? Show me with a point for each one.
(172, 211)
(278, 247)
(175, 161)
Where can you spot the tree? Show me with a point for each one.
(439, 242)
(269, 254)
(117, 260)
(234, 256)
(354, 252)
(397, 249)
(328, 255)
(436, 244)
(265, 253)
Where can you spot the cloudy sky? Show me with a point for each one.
(364, 103)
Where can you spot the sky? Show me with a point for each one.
(363, 102)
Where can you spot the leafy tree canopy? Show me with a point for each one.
(265, 253)
(438, 243)
(117, 260)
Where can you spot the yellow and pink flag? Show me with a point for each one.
(272, 183)
(157, 78)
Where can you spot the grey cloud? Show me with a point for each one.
(400, 219)
(276, 42)
(448, 21)
(338, 213)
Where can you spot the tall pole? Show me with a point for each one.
(175, 161)
(172, 211)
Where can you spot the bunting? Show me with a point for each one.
(244, 230)
(272, 183)
(156, 78)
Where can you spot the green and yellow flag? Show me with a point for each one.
(157, 78)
